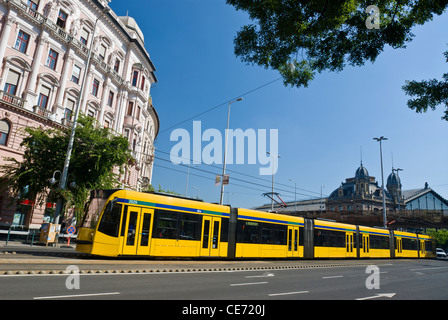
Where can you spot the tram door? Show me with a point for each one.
(293, 241)
(422, 249)
(211, 227)
(399, 247)
(136, 231)
(365, 245)
(349, 244)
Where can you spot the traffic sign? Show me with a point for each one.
(71, 230)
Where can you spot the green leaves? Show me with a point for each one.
(323, 34)
(428, 93)
(96, 153)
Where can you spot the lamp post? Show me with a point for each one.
(197, 191)
(225, 151)
(273, 167)
(63, 181)
(188, 174)
(382, 180)
(295, 194)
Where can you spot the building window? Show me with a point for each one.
(102, 51)
(11, 82)
(117, 65)
(95, 87)
(62, 19)
(143, 83)
(52, 59)
(130, 107)
(84, 36)
(22, 41)
(135, 79)
(43, 97)
(110, 100)
(138, 113)
(70, 106)
(76, 74)
(4, 132)
(91, 114)
(32, 4)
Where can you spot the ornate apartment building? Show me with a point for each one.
(44, 47)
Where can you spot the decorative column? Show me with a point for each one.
(104, 99)
(30, 92)
(68, 61)
(5, 35)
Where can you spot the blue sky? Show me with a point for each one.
(321, 128)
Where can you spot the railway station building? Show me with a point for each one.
(363, 194)
(44, 48)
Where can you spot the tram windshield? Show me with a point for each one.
(93, 208)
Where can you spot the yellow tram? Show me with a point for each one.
(130, 223)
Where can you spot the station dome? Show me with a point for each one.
(393, 180)
(361, 173)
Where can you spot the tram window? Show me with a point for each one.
(379, 242)
(225, 230)
(295, 239)
(328, 238)
(273, 234)
(247, 232)
(409, 244)
(429, 246)
(190, 226)
(166, 225)
(301, 236)
(177, 225)
(264, 233)
(215, 235)
(289, 239)
(110, 221)
(130, 238)
(145, 229)
(206, 234)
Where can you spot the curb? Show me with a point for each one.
(170, 270)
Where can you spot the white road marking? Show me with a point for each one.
(286, 293)
(246, 284)
(77, 295)
(332, 277)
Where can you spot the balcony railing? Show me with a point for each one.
(44, 112)
(11, 99)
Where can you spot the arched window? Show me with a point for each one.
(4, 132)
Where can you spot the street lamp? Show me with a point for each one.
(225, 151)
(295, 194)
(188, 174)
(53, 179)
(197, 191)
(63, 182)
(273, 167)
(382, 179)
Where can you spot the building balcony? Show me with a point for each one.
(11, 99)
(44, 113)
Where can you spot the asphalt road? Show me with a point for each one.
(220, 280)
